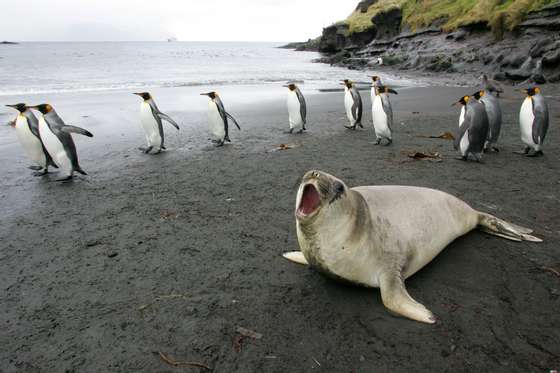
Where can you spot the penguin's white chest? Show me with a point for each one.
(294, 110)
(150, 125)
(379, 118)
(462, 116)
(526, 119)
(348, 104)
(55, 147)
(215, 122)
(30, 143)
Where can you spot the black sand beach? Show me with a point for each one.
(172, 253)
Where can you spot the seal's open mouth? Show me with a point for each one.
(310, 200)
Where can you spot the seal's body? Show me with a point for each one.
(377, 236)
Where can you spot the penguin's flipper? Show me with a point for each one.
(168, 119)
(233, 119)
(296, 257)
(79, 169)
(540, 126)
(302, 106)
(464, 127)
(74, 129)
(357, 107)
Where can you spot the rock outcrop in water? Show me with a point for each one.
(508, 48)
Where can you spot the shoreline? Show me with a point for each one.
(171, 253)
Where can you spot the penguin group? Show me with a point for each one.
(48, 142)
(480, 122)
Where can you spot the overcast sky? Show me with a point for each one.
(200, 20)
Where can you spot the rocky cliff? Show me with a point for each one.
(511, 39)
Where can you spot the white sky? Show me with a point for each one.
(188, 20)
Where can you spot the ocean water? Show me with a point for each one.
(42, 68)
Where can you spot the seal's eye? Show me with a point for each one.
(338, 191)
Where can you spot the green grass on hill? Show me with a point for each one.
(500, 15)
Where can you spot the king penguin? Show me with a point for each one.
(494, 112)
(352, 104)
(382, 114)
(297, 108)
(491, 86)
(218, 119)
(377, 82)
(27, 131)
(57, 138)
(473, 129)
(533, 121)
(151, 118)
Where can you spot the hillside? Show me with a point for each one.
(511, 39)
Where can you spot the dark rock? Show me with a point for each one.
(540, 47)
(388, 23)
(538, 78)
(552, 58)
(439, 63)
(334, 38)
(499, 76)
(364, 5)
(457, 35)
(554, 78)
(513, 60)
(517, 74)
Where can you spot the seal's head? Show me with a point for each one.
(317, 193)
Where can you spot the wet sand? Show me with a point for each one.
(172, 253)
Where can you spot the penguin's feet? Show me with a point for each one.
(219, 143)
(35, 168)
(158, 151)
(350, 127)
(146, 150)
(300, 131)
(495, 149)
(389, 142)
(538, 153)
(41, 173)
(524, 151)
(461, 158)
(377, 141)
(66, 179)
(290, 131)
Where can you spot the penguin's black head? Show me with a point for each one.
(144, 95)
(484, 77)
(291, 86)
(347, 83)
(19, 107)
(479, 94)
(374, 78)
(43, 108)
(212, 95)
(532, 91)
(462, 101)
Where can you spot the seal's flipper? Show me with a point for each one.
(501, 228)
(296, 256)
(396, 299)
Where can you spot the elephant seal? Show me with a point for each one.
(377, 236)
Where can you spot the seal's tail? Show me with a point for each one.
(498, 227)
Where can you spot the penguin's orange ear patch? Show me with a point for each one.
(537, 90)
